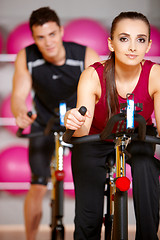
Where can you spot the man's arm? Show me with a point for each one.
(91, 57)
(22, 84)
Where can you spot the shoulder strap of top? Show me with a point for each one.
(144, 77)
(99, 69)
(147, 66)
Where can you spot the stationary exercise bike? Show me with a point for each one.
(117, 184)
(57, 172)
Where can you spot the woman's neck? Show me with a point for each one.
(126, 78)
(127, 73)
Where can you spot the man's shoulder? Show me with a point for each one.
(31, 47)
(32, 51)
(73, 45)
(74, 49)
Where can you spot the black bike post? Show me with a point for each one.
(57, 195)
(109, 193)
(120, 222)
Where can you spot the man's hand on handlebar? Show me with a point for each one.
(23, 120)
(74, 120)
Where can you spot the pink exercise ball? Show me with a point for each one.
(155, 47)
(129, 175)
(19, 38)
(68, 179)
(157, 155)
(153, 119)
(5, 112)
(14, 168)
(1, 43)
(87, 32)
(153, 115)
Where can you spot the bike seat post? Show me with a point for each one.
(57, 192)
(120, 145)
(120, 161)
(109, 193)
(120, 222)
(59, 175)
(59, 151)
(110, 189)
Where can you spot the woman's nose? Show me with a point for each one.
(132, 46)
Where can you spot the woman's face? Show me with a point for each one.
(130, 41)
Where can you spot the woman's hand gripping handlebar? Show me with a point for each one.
(68, 133)
(107, 134)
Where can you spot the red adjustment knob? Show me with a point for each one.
(123, 183)
(59, 175)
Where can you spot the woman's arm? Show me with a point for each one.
(88, 94)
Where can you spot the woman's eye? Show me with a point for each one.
(141, 40)
(123, 39)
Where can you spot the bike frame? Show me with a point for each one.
(116, 217)
(57, 177)
(57, 194)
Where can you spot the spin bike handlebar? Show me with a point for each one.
(47, 131)
(107, 134)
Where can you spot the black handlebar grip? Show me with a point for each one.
(29, 114)
(20, 130)
(68, 133)
(82, 110)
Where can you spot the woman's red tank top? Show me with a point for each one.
(141, 95)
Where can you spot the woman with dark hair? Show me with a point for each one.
(102, 87)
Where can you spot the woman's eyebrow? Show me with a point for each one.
(142, 35)
(126, 34)
(139, 35)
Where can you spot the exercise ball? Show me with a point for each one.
(87, 32)
(153, 115)
(153, 119)
(68, 179)
(129, 175)
(19, 38)
(5, 112)
(155, 37)
(14, 168)
(157, 155)
(1, 42)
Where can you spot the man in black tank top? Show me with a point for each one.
(51, 68)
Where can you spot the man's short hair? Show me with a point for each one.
(43, 15)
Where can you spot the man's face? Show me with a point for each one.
(48, 38)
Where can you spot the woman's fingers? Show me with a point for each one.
(73, 119)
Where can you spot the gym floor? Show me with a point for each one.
(12, 223)
(16, 232)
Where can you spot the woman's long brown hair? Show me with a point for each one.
(109, 68)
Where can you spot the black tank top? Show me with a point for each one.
(53, 84)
